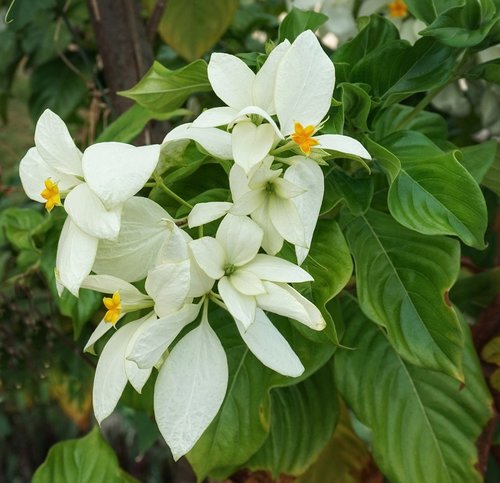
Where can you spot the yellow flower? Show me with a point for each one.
(398, 9)
(303, 137)
(51, 194)
(114, 306)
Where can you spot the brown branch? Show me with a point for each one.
(155, 19)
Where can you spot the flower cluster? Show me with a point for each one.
(113, 238)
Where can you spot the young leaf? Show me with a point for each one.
(313, 407)
(424, 424)
(401, 278)
(298, 21)
(86, 460)
(433, 193)
(163, 90)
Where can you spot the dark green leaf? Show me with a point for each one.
(356, 105)
(443, 419)
(298, 21)
(20, 224)
(433, 193)
(492, 178)
(86, 460)
(489, 71)
(192, 28)
(478, 159)
(401, 279)
(428, 10)
(303, 418)
(423, 66)
(163, 90)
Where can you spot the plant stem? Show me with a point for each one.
(285, 147)
(169, 192)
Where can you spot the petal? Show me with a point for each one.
(190, 388)
(285, 189)
(247, 282)
(239, 305)
(285, 219)
(108, 284)
(304, 84)
(272, 240)
(33, 171)
(209, 255)
(249, 202)
(262, 176)
(204, 213)
(231, 80)
(110, 375)
(259, 112)
(263, 86)
(75, 256)
(200, 282)
(251, 143)
(168, 285)
(342, 144)
(145, 228)
(276, 269)
(240, 238)
(309, 176)
(284, 300)
(238, 182)
(101, 329)
(117, 171)
(270, 347)
(55, 145)
(215, 141)
(217, 116)
(155, 336)
(88, 212)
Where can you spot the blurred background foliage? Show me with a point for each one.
(67, 56)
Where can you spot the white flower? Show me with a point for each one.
(95, 183)
(248, 280)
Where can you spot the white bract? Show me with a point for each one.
(95, 184)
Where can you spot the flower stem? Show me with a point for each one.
(169, 192)
(285, 147)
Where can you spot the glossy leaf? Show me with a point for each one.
(433, 193)
(428, 10)
(243, 422)
(298, 21)
(163, 90)
(356, 105)
(401, 278)
(425, 65)
(478, 158)
(86, 460)
(424, 425)
(312, 406)
(192, 28)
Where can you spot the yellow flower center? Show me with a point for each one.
(114, 306)
(398, 9)
(303, 137)
(51, 194)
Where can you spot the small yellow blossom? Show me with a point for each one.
(303, 137)
(398, 9)
(51, 194)
(114, 306)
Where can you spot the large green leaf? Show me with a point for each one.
(433, 193)
(85, 460)
(424, 424)
(356, 105)
(428, 10)
(479, 158)
(163, 90)
(423, 66)
(298, 21)
(303, 418)
(192, 28)
(492, 178)
(242, 424)
(402, 278)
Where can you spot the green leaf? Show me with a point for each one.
(430, 124)
(376, 32)
(478, 158)
(330, 264)
(192, 28)
(86, 460)
(423, 66)
(163, 90)
(433, 193)
(356, 105)
(465, 25)
(20, 224)
(355, 192)
(56, 87)
(242, 424)
(489, 71)
(303, 418)
(298, 21)
(424, 425)
(345, 459)
(131, 123)
(428, 10)
(491, 351)
(401, 278)
(492, 178)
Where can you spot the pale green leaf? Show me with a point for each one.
(402, 278)
(298, 21)
(424, 424)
